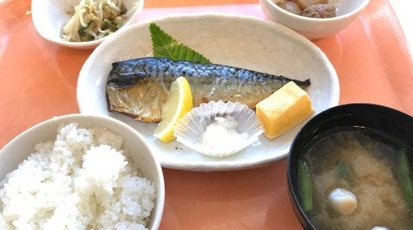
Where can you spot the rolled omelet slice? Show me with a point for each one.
(284, 109)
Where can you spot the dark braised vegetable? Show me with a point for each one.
(320, 11)
(308, 8)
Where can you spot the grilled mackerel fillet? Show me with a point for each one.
(139, 87)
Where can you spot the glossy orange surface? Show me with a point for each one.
(38, 81)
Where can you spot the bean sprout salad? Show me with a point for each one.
(94, 19)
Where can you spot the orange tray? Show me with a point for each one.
(39, 81)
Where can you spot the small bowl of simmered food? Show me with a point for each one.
(351, 167)
(314, 19)
(80, 172)
(82, 24)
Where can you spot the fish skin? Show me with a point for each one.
(139, 87)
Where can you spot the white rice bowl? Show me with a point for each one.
(77, 172)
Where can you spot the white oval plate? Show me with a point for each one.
(241, 41)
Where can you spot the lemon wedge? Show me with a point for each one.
(178, 103)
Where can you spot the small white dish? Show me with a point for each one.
(236, 40)
(315, 28)
(18, 149)
(49, 17)
(193, 125)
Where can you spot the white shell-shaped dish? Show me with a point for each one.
(235, 40)
(49, 17)
(192, 126)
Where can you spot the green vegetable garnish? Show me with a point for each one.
(83, 28)
(405, 179)
(305, 186)
(164, 46)
(346, 172)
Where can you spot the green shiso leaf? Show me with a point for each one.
(164, 46)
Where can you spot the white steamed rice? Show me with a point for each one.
(81, 180)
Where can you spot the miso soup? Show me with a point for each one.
(365, 163)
